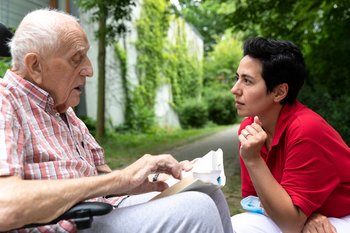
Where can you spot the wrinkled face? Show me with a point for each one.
(249, 90)
(64, 73)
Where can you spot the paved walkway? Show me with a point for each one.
(227, 140)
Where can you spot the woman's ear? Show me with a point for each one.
(34, 68)
(280, 92)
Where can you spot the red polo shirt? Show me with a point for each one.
(309, 159)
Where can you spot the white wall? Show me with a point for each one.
(13, 11)
(115, 96)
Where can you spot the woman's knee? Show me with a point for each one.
(252, 222)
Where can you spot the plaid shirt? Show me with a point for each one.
(37, 143)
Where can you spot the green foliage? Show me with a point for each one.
(90, 123)
(321, 29)
(5, 64)
(340, 117)
(221, 63)
(152, 27)
(141, 115)
(118, 10)
(160, 62)
(122, 57)
(182, 68)
(221, 109)
(208, 18)
(335, 111)
(193, 114)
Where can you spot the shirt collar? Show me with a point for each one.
(284, 119)
(33, 92)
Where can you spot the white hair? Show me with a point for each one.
(39, 32)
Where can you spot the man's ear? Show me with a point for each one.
(34, 68)
(280, 92)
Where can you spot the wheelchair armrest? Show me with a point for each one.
(82, 214)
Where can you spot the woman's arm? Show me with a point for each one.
(276, 201)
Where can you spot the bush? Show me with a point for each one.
(340, 117)
(193, 114)
(90, 123)
(335, 111)
(221, 108)
(5, 63)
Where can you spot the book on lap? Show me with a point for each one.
(206, 176)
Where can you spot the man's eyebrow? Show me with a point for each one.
(81, 48)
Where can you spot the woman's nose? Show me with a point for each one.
(235, 88)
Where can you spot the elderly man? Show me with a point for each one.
(49, 161)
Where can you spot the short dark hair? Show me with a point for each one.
(282, 62)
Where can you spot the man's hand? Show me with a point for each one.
(318, 223)
(136, 175)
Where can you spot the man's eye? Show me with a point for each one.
(77, 59)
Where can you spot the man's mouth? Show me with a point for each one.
(79, 88)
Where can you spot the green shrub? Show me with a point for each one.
(340, 117)
(5, 63)
(221, 108)
(193, 114)
(335, 111)
(90, 123)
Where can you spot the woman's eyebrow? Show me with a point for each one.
(245, 76)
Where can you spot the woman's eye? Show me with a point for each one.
(243, 80)
(235, 79)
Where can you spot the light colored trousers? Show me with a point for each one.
(184, 212)
(258, 223)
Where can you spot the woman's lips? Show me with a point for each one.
(238, 104)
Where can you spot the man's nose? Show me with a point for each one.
(87, 69)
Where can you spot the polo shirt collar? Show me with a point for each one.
(284, 119)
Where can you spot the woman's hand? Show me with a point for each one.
(252, 138)
(318, 223)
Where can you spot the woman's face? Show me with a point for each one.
(249, 90)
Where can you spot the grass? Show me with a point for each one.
(121, 149)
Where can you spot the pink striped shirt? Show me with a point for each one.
(37, 143)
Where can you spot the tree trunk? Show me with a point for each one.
(100, 123)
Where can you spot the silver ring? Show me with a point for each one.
(155, 177)
(246, 135)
